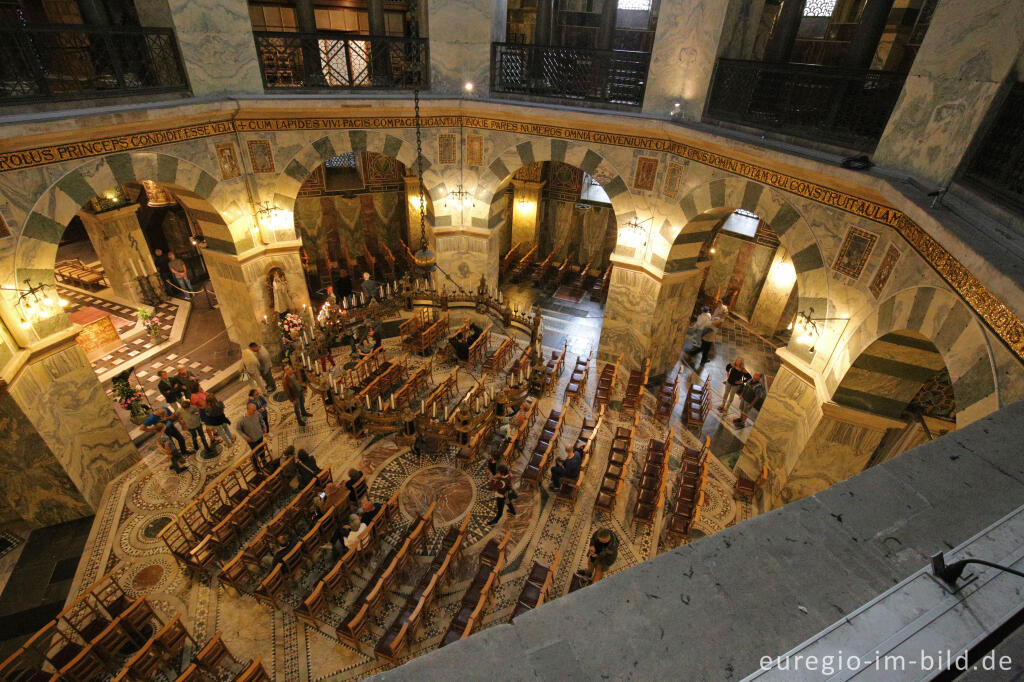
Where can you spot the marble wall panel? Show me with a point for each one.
(33, 484)
(767, 314)
(465, 256)
(754, 280)
(676, 299)
(217, 46)
(60, 396)
(460, 46)
(685, 47)
(628, 317)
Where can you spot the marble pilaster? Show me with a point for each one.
(525, 212)
(465, 253)
(121, 247)
(741, 27)
(628, 316)
(61, 400)
(460, 45)
(217, 46)
(970, 48)
(676, 299)
(686, 44)
(771, 302)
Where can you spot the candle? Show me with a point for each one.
(344, 303)
(392, 401)
(367, 402)
(380, 404)
(423, 407)
(446, 413)
(362, 298)
(433, 410)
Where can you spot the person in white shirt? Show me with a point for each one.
(357, 528)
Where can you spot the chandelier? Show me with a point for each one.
(36, 302)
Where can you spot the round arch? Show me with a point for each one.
(946, 321)
(591, 161)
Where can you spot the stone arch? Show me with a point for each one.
(36, 248)
(946, 321)
(305, 161)
(584, 157)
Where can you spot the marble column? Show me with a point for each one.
(676, 299)
(629, 315)
(243, 289)
(465, 253)
(545, 12)
(122, 249)
(969, 51)
(78, 443)
(869, 31)
(154, 13)
(525, 212)
(740, 29)
(840, 447)
(771, 302)
(788, 418)
(606, 32)
(217, 46)
(460, 46)
(305, 17)
(780, 45)
(683, 56)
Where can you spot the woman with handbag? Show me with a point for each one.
(501, 484)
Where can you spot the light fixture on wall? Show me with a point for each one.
(638, 230)
(460, 196)
(267, 217)
(806, 324)
(36, 302)
(157, 196)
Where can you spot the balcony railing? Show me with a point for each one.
(570, 73)
(842, 107)
(63, 62)
(997, 162)
(330, 60)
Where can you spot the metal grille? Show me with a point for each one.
(73, 62)
(997, 162)
(327, 60)
(819, 8)
(837, 106)
(572, 73)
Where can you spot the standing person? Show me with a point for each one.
(189, 416)
(169, 389)
(695, 335)
(296, 393)
(736, 375)
(165, 415)
(215, 417)
(257, 399)
(180, 274)
(708, 337)
(323, 353)
(501, 484)
(370, 287)
(251, 368)
(165, 443)
(250, 426)
(266, 365)
(752, 398)
(186, 381)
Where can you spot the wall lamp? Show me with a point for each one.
(806, 322)
(34, 301)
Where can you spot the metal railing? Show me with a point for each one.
(843, 107)
(333, 60)
(64, 62)
(570, 73)
(997, 162)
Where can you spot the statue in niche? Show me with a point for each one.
(282, 298)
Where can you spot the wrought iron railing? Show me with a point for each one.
(997, 161)
(46, 63)
(570, 73)
(329, 59)
(844, 107)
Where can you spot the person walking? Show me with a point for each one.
(251, 369)
(501, 484)
(736, 375)
(752, 398)
(180, 274)
(250, 426)
(296, 393)
(166, 444)
(214, 417)
(266, 365)
(188, 414)
(164, 415)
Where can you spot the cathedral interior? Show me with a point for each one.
(515, 339)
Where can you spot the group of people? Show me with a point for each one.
(703, 334)
(749, 387)
(189, 408)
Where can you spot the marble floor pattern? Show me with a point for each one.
(143, 500)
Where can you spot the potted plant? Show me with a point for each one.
(150, 322)
(130, 399)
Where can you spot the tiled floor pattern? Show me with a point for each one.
(142, 501)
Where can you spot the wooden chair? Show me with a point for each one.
(311, 608)
(171, 641)
(140, 620)
(214, 658)
(745, 488)
(253, 672)
(271, 587)
(85, 667)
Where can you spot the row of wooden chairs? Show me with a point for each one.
(576, 388)
(697, 405)
(745, 488)
(380, 385)
(474, 602)
(635, 387)
(73, 271)
(509, 258)
(424, 339)
(441, 394)
(414, 385)
(553, 369)
(338, 578)
(651, 491)
(216, 662)
(619, 455)
(606, 383)
(569, 489)
(411, 615)
(419, 321)
(666, 401)
(523, 264)
(497, 360)
(516, 439)
(366, 370)
(535, 589)
(547, 443)
(478, 349)
(388, 573)
(689, 490)
(599, 288)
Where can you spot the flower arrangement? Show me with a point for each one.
(291, 323)
(126, 402)
(149, 321)
(129, 398)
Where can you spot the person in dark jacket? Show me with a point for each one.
(603, 551)
(307, 468)
(736, 375)
(356, 485)
(504, 494)
(567, 467)
(751, 399)
(296, 393)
